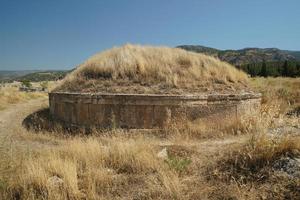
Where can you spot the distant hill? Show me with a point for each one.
(10, 75)
(296, 54)
(246, 55)
(32, 75)
(43, 76)
(256, 61)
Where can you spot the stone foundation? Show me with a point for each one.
(148, 111)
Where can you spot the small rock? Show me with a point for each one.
(55, 182)
(163, 153)
(290, 166)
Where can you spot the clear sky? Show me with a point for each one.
(60, 34)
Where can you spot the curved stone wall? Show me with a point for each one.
(147, 111)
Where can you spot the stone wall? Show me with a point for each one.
(147, 111)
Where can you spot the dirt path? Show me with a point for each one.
(12, 133)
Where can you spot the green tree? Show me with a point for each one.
(26, 83)
(263, 71)
(44, 85)
(298, 69)
(292, 69)
(285, 69)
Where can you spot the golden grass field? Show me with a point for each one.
(147, 69)
(231, 163)
(285, 91)
(12, 95)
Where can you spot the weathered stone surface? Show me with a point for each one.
(148, 111)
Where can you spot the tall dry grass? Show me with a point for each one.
(285, 92)
(248, 162)
(248, 170)
(131, 67)
(94, 168)
(12, 95)
(280, 100)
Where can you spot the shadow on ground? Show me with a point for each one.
(42, 121)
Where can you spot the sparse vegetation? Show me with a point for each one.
(179, 164)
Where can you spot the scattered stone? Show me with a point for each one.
(31, 89)
(292, 130)
(291, 166)
(55, 182)
(294, 112)
(163, 153)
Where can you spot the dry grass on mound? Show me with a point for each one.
(146, 69)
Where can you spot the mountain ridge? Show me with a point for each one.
(246, 55)
(31, 75)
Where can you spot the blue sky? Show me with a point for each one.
(60, 34)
